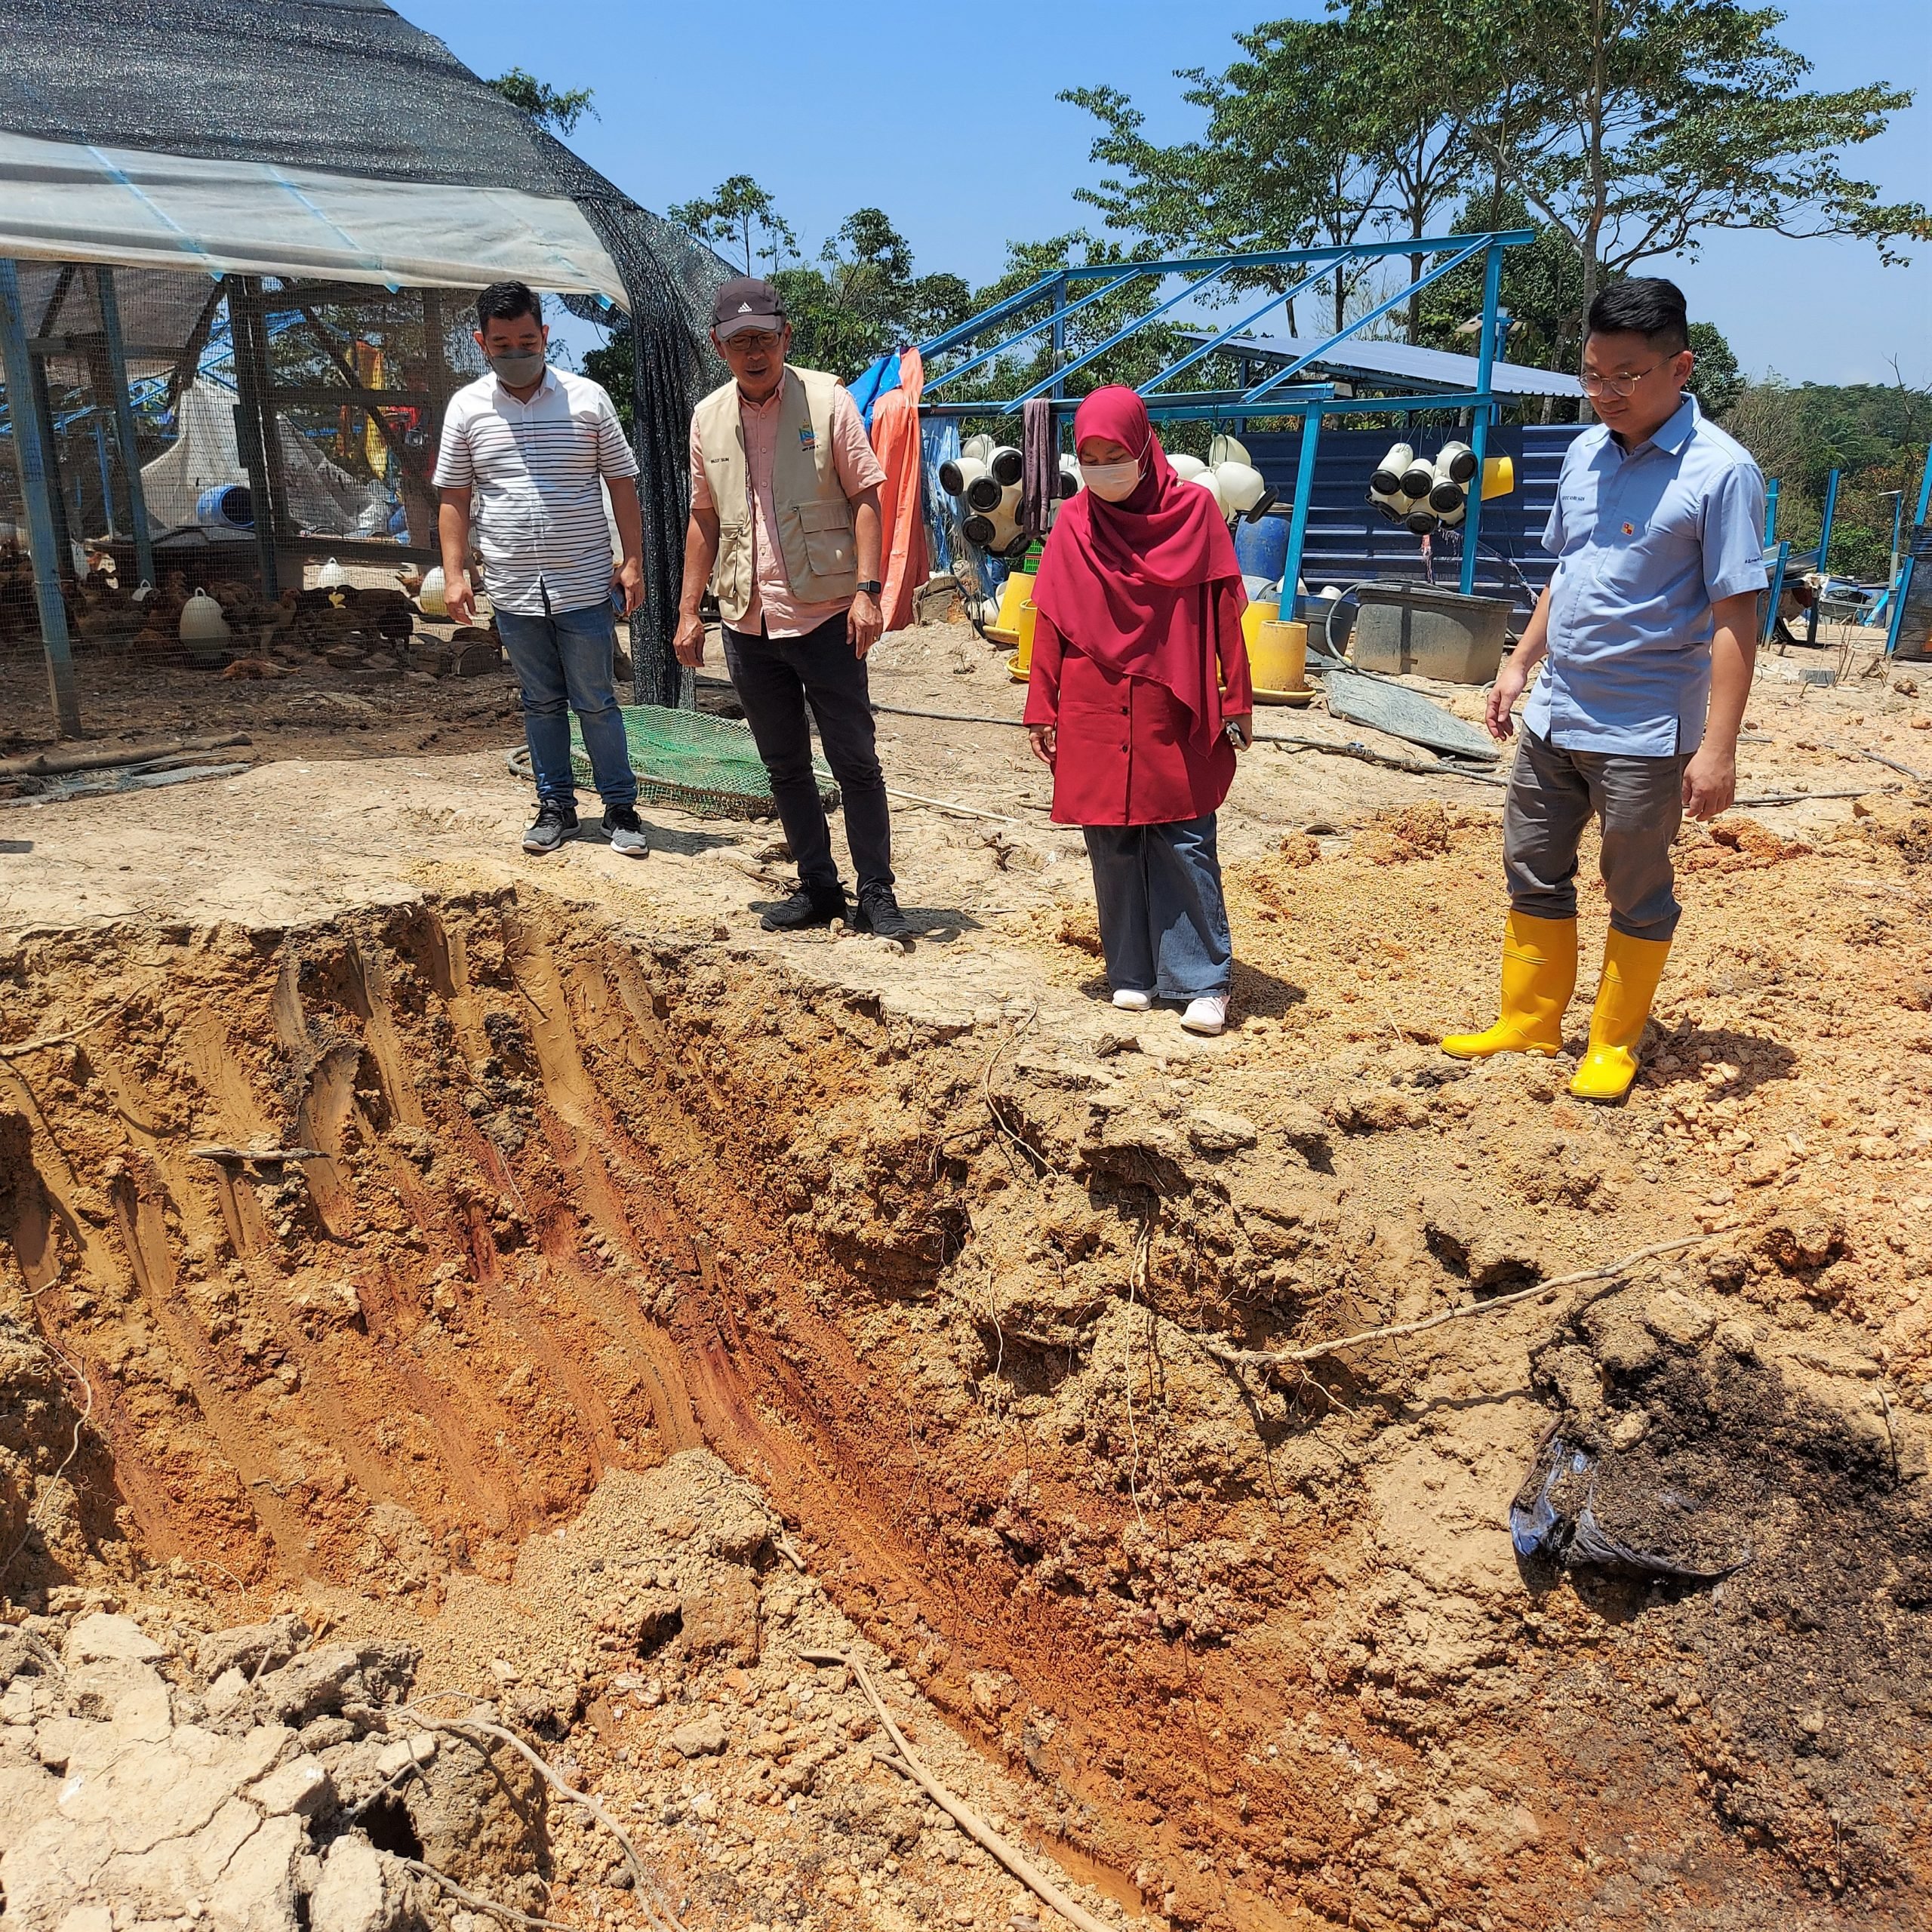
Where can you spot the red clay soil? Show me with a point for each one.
(554, 1200)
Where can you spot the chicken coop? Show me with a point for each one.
(239, 246)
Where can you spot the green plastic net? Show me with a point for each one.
(705, 765)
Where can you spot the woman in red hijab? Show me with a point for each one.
(1139, 679)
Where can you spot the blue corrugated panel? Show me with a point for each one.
(1348, 539)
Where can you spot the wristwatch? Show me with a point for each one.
(871, 586)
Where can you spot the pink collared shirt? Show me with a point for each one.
(773, 604)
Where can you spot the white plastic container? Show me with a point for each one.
(1208, 481)
(1387, 481)
(1242, 485)
(430, 598)
(201, 620)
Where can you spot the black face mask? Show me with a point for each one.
(517, 368)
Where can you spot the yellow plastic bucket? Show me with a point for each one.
(1498, 476)
(1023, 658)
(1278, 658)
(1005, 628)
(1253, 618)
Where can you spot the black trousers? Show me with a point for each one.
(775, 678)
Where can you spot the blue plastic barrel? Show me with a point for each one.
(225, 506)
(1261, 548)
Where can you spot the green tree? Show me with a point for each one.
(1873, 433)
(1716, 380)
(1283, 162)
(548, 106)
(1539, 291)
(1628, 128)
(1634, 127)
(729, 215)
(861, 298)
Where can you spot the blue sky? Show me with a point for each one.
(946, 118)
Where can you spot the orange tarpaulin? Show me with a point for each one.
(895, 433)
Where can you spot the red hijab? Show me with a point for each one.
(1133, 585)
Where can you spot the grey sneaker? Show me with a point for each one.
(554, 823)
(626, 831)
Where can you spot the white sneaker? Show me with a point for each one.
(1207, 1015)
(1129, 1000)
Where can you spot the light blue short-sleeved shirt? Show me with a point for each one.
(1646, 541)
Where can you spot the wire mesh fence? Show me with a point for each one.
(338, 440)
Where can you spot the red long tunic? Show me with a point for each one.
(1125, 754)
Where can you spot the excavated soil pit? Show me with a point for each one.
(413, 1273)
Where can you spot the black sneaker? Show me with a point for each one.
(625, 830)
(554, 824)
(806, 908)
(879, 914)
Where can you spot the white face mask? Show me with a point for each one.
(1111, 481)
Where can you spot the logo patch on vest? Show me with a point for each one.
(808, 438)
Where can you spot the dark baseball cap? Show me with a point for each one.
(746, 302)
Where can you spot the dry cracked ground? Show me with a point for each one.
(464, 1315)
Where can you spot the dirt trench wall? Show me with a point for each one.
(377, 1245)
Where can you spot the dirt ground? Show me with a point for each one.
(653, 1299)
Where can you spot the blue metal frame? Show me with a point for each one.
(1824, 553)
(1374, 315)
(1772, 601)
(1242, 327)
(1277, 394)
(1483, 413)
(35, 461)
(123, 425)
(1057, 319)
(1902, 587)
(1058, 379)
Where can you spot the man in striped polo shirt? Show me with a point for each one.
(524, 450)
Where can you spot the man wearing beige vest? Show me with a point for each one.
(785, 529)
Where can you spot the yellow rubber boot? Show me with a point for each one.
(1631, 968)
(1539, 976)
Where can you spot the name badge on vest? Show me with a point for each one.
(808, 439)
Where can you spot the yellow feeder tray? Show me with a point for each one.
(1021, 663)
(1278, 659)
(1253, 618)
(1004, 628)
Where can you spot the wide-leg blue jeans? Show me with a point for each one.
(1164, 923)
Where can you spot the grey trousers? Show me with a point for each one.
(1640, 803)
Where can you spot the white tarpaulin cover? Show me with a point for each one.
(323, 497)
(67, 202)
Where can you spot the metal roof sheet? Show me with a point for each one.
(1416, 368)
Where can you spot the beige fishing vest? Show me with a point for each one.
(814, 518)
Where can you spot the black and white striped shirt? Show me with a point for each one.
(534, 470)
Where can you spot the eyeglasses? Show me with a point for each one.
(754, 341)
(1617, 385)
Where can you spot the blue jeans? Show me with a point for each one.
(1164, 924)
(563, 660)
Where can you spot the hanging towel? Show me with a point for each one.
(895, 434)
(1039, 472)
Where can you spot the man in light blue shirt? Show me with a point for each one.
(1647, 635)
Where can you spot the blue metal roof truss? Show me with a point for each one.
(1277, 394)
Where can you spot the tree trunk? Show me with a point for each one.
(1592, 226)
